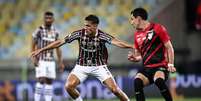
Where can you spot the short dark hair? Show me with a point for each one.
(48, 13)
(140, 12)
(93, 18)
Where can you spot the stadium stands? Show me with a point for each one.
(19, 18)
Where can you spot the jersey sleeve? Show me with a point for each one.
(106, 37)
(162, 33)
(73, 36)
(36, 35)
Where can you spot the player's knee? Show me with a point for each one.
(138, 83)
(69, 86)
(159, 81)
(49, 81)
(115, 90)
(41, 80)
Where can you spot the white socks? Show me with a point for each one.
(43, 89)
(38, 91)
(78, 99)
(48, 92)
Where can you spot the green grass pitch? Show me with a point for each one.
(155, 99)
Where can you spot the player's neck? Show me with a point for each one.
(145, 24)
(92, 34)
(48, 27)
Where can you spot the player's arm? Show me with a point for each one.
(33, 48)
(60, 60)
(33, 45)
(164, 36)
(120, 43)
(170, 55)
(53, 45)
(69, 38)
(134, 56)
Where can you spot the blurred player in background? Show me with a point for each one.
(45, 62)
(198, 17)
(153, 46)
(172, 86)
(92, 59)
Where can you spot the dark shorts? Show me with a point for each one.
(150, 72)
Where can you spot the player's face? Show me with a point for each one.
(48, 20)
(89, 27)
(135, 21)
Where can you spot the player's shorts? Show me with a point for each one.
(100, 72)
(46, 69)
(150, 72)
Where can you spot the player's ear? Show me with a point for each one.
(53, 19)
(95, 25)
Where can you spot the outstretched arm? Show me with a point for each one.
(53, 45)
(121, 44)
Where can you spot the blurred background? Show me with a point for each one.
(19, 18)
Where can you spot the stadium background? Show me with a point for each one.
(19, 18)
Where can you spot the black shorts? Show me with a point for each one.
(150, 72)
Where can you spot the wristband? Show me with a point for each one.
(169, 64)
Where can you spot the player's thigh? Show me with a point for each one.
(41, 70)
(51, 70)
(111, 84)
(72, 81)
(102, 73)
(159, 74)
(78, 72)
(143, 78)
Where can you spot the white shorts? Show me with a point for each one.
(100, 72)
(46, 69)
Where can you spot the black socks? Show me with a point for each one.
(160, 83)
(139, 94)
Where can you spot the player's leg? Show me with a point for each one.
(113, 87)
(40, 75)
(39, 88)
(78, 74)
(104, 75)
(159, 80)
(48, 89)
(50, 70)
(172, 86)
(70, 86)
(139, 82)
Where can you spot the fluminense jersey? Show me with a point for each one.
(92, 49)
(43, 37)
(150, 43)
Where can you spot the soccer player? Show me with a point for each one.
(92, 59)
(45, 62)
(172, 86)
(152, 46)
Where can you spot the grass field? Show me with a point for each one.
(155, 99)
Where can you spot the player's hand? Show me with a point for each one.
(35, 53)
(130, 56)
(34, 61)
(61, 67)
(171, 68)
(133, 58)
